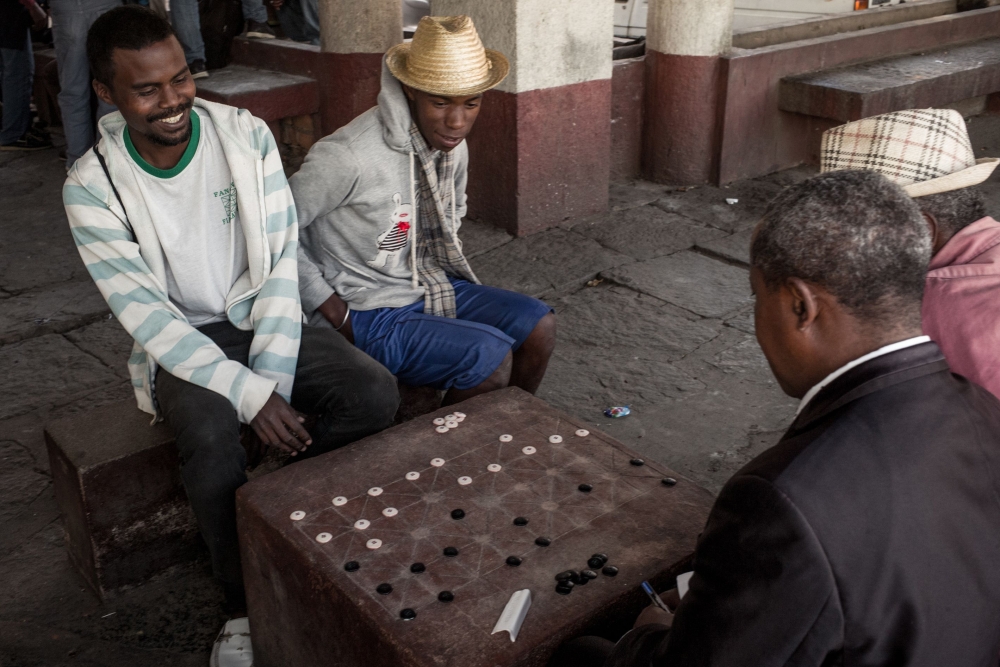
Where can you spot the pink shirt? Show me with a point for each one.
(961, 309)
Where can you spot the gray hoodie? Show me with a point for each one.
(355, 206)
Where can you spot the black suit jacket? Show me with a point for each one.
(869, 535)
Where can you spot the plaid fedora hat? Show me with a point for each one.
(927, 151)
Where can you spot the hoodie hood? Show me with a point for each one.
(394, 110)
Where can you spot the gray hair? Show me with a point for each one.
(854, 233)
(955, 210)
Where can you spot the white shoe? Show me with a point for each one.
(232, 647)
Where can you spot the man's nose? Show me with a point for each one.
(455, 119)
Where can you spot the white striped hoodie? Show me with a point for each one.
(127, 263)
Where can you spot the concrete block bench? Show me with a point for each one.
(930, 79)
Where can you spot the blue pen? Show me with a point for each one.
(654, 597)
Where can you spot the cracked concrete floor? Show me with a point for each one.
(654, 312)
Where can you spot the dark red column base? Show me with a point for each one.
(683, 119)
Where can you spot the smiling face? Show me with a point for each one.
(153, 89)
(443, 121)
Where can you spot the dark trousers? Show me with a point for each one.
(352, 395)
(583, 652)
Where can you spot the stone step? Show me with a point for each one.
(930, 79)
(268, 95)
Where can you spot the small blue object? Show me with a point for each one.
(618, 412)
(654, 598)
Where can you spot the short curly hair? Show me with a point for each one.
(129, 27)
(856, 234)
(955, 210)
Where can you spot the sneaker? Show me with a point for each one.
(28, 142)
(232, 646)
(198, 70)
(258, 30)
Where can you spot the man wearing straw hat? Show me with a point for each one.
(928, 152)
(380, 202)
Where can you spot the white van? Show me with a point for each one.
(630, 15)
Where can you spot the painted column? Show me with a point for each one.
(354, 35)
(685, 88)
(540, 151)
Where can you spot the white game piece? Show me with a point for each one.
(412, 476)
(529, 450)
(460, 415)
(390, 511)
(323, 538)
(513, 614)
(451, 424)
(583, 433)
(362, 524)
(298, 515)
(464, 481)
(442, 429)
(339, 500)
(555, 439)
(373, 544)
(506, 438)
(440, 421)
(375, 491)
(450, 418)
(437, 463)
(494, 467)
(683, 583)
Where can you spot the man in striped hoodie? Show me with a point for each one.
(185, 221)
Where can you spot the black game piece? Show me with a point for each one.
(582, 581)
(603, 557)
(668, 481)
(610, 571)
(564, 576)
(352, 566)
(637, 462)
(446, 596)
(595, 563)
(417, 568)
(563, 590)
(457, 514)
(383, 589)
(407, 614)
(588, 574)
(450, 552)
(520, 521)
(586, 488)
(543, 541)
(574, 576)
(513, 561)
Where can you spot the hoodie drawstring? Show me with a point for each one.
(413, 224)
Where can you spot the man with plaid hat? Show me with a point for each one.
(928, 152)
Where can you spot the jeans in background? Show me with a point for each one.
(187, 24)
(17, 74)
(71, 19)
(300, 20)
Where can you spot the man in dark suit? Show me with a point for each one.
(870, 535)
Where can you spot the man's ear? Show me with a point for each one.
(804, 302)
(103, 92)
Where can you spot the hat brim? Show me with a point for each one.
(960, 179)
(396, 60)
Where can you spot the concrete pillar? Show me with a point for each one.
(540, 151)
(685, 89)
(354, 34)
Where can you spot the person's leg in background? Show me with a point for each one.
(255, 15)
(187, 24)
(18, 74)
(71, 19)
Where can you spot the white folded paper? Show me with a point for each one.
(514, 613)
(683, 580)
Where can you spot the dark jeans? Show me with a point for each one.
(351, 394)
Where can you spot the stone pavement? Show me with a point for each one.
(654, 312)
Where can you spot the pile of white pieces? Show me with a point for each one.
(448, 422)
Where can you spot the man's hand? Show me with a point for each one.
(277, 3)
(38, 16)
(653, 615)
(279, 425)
(334, 310)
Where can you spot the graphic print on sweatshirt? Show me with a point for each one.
(229, 203)
(392, 243)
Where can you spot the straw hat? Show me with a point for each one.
(927, 151)
(446, 57)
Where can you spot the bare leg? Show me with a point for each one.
(532, 358)
(499, 380)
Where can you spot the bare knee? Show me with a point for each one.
(542, 339)
(501, 376)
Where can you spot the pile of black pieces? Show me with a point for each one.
(568, 580)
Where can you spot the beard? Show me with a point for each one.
(174, 140)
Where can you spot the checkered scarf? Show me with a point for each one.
(438, 251)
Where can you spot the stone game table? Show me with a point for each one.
(299, 529)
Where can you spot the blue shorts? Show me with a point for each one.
(441, 352)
